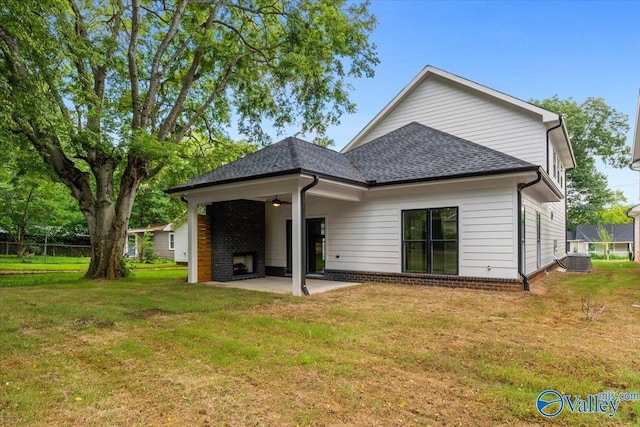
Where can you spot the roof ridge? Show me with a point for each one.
(423, 126)
(295, 159)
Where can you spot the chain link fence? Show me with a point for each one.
(48, 249)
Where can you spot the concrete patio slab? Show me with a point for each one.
(282, 285)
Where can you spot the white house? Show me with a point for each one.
(451, 184)
(634, 212)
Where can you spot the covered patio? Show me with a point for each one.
(253, 202)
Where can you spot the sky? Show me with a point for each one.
(530, 50)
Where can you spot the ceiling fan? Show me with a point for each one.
(277, 202)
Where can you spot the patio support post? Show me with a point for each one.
(296, 243)
(192, 230)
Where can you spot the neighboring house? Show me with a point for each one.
(452, 184)
(635, 156)
(588, 239)
(163, 237)
(634, 212)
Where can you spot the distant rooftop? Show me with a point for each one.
(618, 232)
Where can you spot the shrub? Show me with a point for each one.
(147, 254)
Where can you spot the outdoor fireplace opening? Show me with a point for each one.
(243, 263)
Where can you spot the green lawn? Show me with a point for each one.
(54, 263)
(154, 350)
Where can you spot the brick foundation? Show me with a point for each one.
(508, 285)
(237, 226)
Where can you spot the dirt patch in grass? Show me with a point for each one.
(378, 355)
(91, 322)
(149, 313)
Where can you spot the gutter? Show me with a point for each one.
(364, 184)
(548, 132)
(303, 277)
(521, 187)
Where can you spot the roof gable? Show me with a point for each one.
(419, 152)
(548, 118)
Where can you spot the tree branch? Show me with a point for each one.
(220, 87)
(169, 123)
(12, 52)
(155, 64)
(259, 51)
(77, 60)
(270, 10)
(55, 158)
(133, 65)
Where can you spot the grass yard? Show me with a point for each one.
(58, 263)
(153, 350)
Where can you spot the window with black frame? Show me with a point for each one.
(430, 240)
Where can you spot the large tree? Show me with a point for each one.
(597, 131)
(106, 90)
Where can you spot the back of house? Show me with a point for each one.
(451, 184)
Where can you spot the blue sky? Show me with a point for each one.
(526, 49)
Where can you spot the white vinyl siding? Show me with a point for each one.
(557, 173)
(367, 235)
(161, 245)
(467, 114)
(551, 229)
(636, 238)
(275, 234)
(180, 244)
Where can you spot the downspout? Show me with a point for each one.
(303, 278)
(632, 254)
(521, 187)
(548, 132)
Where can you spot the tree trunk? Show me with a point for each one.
(20, 245)
(107, 249)
(109, 219)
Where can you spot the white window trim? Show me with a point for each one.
(172, 242)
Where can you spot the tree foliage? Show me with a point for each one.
(196, 156)
(614, 214)
(106, 91)
(31, 202)
(597, 132)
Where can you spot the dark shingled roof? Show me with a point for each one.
(413, 152)
(290, 155)
(618, 232)
(417, 152)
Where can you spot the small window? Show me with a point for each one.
(131, 245)
(172, 241)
